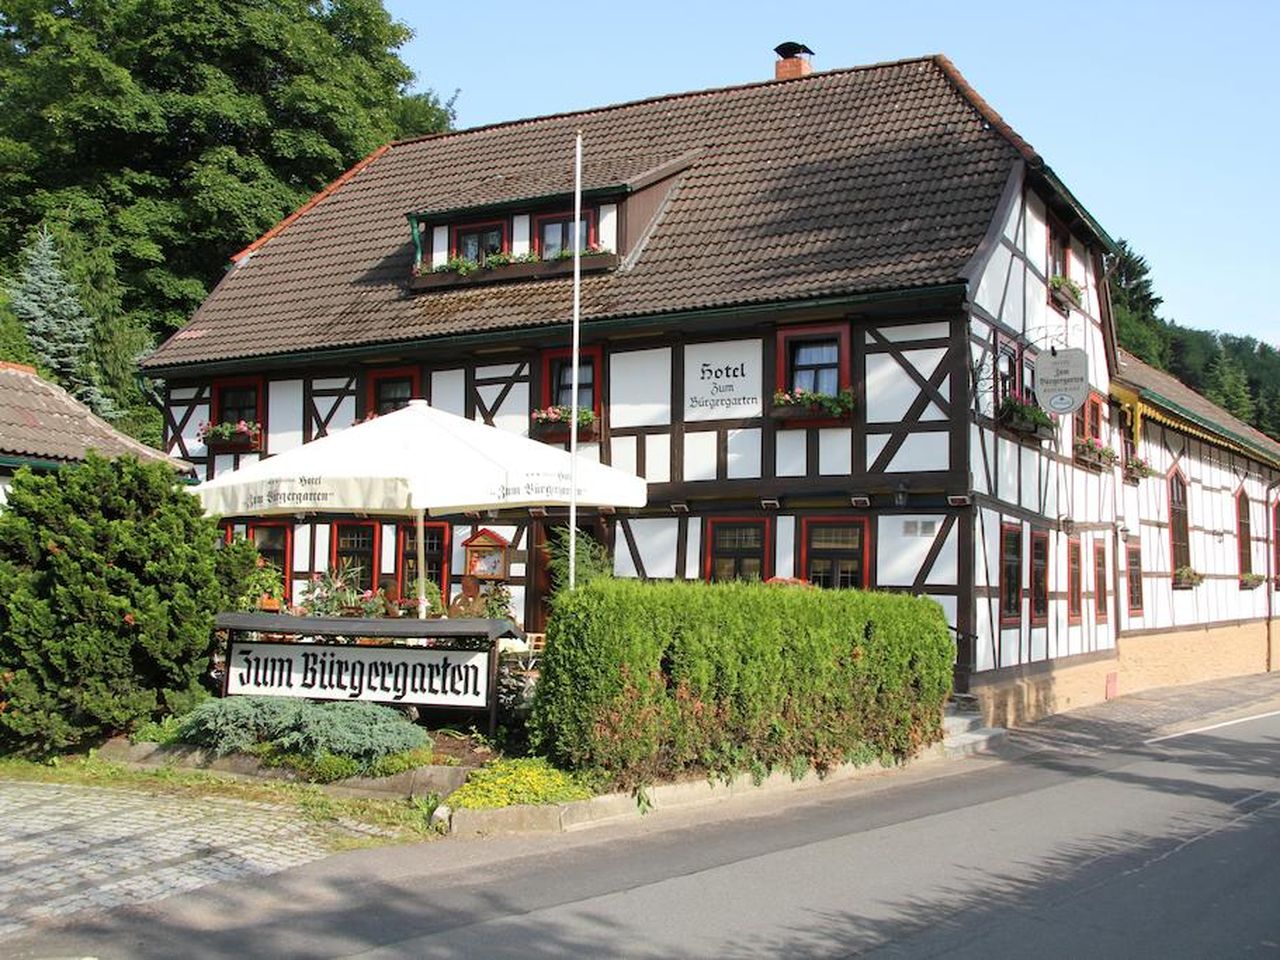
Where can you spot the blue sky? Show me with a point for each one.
(1161, 117)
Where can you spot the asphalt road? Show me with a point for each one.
(1166, 849)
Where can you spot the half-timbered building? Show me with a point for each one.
(877, 237)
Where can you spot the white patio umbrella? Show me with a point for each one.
(414, 461)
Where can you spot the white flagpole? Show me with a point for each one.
(577, 309)
(422, 568)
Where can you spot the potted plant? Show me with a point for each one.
(1250, 581)
(1137, 468)
(1094, 454)
(231, 437)
(802, 404)
(1064, 291)
(1019, 415)
(462, 271)
(1184, 578)
(552, 423)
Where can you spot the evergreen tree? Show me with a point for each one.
(58, 328)
(1228, 388)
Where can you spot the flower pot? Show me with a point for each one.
(509, 272)
(268, 604)
(557, 431)
(795, 416)
(246, 443)
(1063, 298)
(1026, 427)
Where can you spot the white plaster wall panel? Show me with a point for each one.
(298, 588)
(495, 370)
(622, 453)
(1038, 644)
(657, 458)
(979, 447)
(693, 550)
(223, 463)
(517, 604)
(1052, 486)
(284, 415)
(933, 411)
(1029, 495)
(329, 383)
(640, 388)
(1038, 315)
(700, 455)
(513, 415)
(899, 555)
(982, 362)
(988, 543)
(1007, 476)
(439, 246)
(1010, 647)
(835, 451)
(995, 275)
(889, 390)
(1037, 248)
(946, 568)
(790, 453)
(984, 651)
(922, 451)
(301, 548)
(322, 547)
(182, 393)
(1013, 222)
(448, 391)
(388, 560)
(784, 563)
(948, 605)
(457, 559)
(607, 227)
(924, 361)
(1014, 306)
(190, 436)
(743, 454)
(915, 331)
(589, 451)
(344, 416)
(656, 543)
(876, 442)
(623, 565)
(520, 234)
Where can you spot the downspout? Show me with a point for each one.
(1271, 574)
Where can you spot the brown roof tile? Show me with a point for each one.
(846, 182)
(41, 421)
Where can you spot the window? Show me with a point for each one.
(1074, 590)
(1134, 561)
(1039, 576)
(737, 550)
(1244, 534)
(477, 241)
(1180, 537)
(1015, 370)
(557, 378)
(1059, 249)
(1099, 581)
(1006, 373)
(275, 545)
(236, 400)
(834, 552)
(390, 389)
(355, 547)
(816, 359)
(1275, 536)
(1010, 574)
(435, 545)
(1087, 424)
(553, 235)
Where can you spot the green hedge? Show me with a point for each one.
(644, 681)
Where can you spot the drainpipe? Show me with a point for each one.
(1271, 572)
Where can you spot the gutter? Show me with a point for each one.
(35, 463)
(380, 348)
(1214, 430)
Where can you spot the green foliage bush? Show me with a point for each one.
(107, 593)
(504, 783)
(645, 681)
(364, 733)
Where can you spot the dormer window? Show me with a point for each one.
(553, 234)
(478, 241)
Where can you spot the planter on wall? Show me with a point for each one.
(245, 444)
(557, 431)
(1062, 298)
(795, 416)
(510, 272)
(1027, 428)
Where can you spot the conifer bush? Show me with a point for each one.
(108, 587)
(648, 681)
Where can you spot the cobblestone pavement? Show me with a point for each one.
(67, 849)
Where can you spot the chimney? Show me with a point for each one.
(794, 62)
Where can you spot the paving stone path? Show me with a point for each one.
(66, 849)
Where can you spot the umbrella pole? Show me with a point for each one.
(422, 568)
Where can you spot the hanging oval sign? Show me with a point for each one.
(1062, 380)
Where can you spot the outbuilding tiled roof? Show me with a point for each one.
(42, 422)
(1167, 392)
(839, 183)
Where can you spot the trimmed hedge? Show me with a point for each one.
(645, 681)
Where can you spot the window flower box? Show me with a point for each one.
(1018, 415)
(1094, 455)
(1137, 469)
(499, 268)
(1064, 292)
(551, 424)
(1251, 581)
(1184, 578)
(804, 408)
(240, 437)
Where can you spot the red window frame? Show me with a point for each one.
(1100, 591)
(1244, 534)
(807, 523)
(1075, 589)
(286, 571)
(1009, 618)
(375, 376)
(223, 383)
(1133, 578)
(535, 231)
(784, 337)
(595, 354)
(1040, 583)
(1185, 515)
(766, 566)
(1088, 419)
(1022, 362)
(334, 535)
(1275, 538)
(479, 225)
(1057, 236)
(405, 533)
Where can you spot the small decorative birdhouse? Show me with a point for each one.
(487, 555)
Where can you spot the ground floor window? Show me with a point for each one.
(435, 542)
(1135, 581)
(1100, 580)
(1074, 589)
(274, 542)
(835, 552)
(737, 550)
(1010, 574)
(355, 548)
(1039, 577)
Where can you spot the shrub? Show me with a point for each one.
(364, 733)
(108, 588)
(504, 783)
(644, 681)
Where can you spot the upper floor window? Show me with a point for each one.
(557, 375)
(553, 234)
(1006, 372)
(814, 359)
(389, 390)
(1179, 531)
(477, 241)
(237, 400)
(736, 550)
(1010, 574)
(835, 553)
(1244, 534)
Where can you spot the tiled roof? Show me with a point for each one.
(839, 183)
(41, 421)
(1166, 391)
